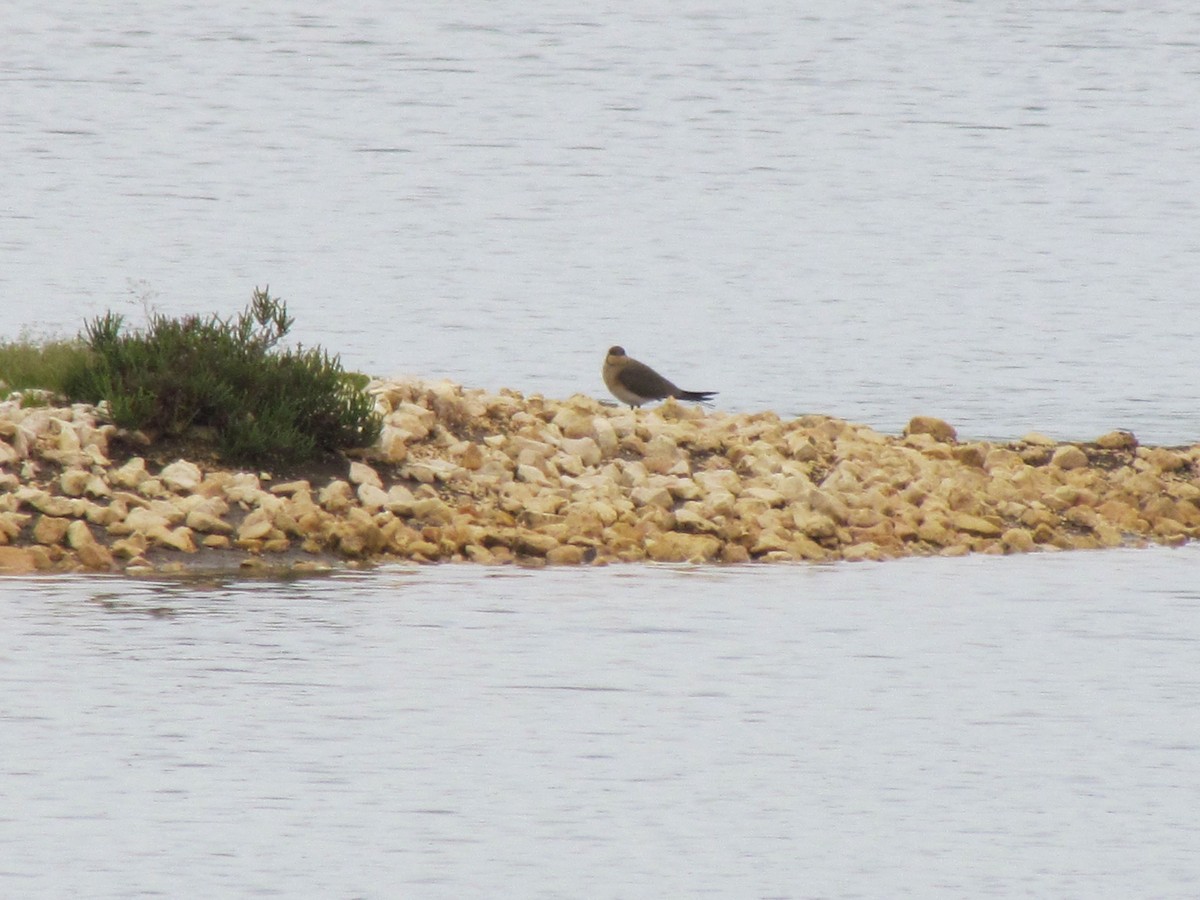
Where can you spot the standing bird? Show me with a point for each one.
(636, 383)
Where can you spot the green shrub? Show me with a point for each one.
(226, 375)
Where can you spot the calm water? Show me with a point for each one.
(958, 728)
(987, 212)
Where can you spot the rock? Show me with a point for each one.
(291, 488)
(565, 555)
(361, 473)
(18, 561)
(372, 497)
(207, 523)
(1068, 456)
(1117, 440)
(50, 529)
(471, 458)
(606, 438)
(74, 482)
(256, 526)
(181, 477)
(242, 487)
(130, 475)
(938, 429)
(1017, 540)
(1163, 459)
(90, 553)
(676, 546)
(973, 524)
(174, 539)
(336, 496)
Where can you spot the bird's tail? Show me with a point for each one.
(696, 396)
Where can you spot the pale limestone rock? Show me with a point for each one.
(676, 546)
(173, 539)
(864, 552)
(936, 428)
(689, 519)
(130, 547)
(605, 435)
(428, 471)
(18, 561)
(203, 521)
(649, 495)
(565, 555)
(718, 502)
(974, 455)
(770, 541)
(11, 524)
(361, 473)
(68, 438)
(50, 529)
(823, 502)
(242, 487)
(400, 500)
(1117, 440)
(74, 482)
(393, 444)
(433, 510)
(372, 497)
(767, 495)
(181, 477)
(92, 554)
(574, 423)
(1068, 456)
(130, 475)
(153, 487)
(976, 525)
(471, 458)
(585, 448)
(532, 475)
(534, 544)
(813, 524)
(719, 479)
(734, 554)
(682, 488)
(291, 488)
(51, 505)
(1162, 459)
(336, 496)
(139, 520)
(1017, 540)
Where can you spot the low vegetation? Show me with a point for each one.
(209, 379)
(27, 364)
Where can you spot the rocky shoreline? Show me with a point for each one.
(468, 476)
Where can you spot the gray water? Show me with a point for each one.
(920, 728)
(987, 212)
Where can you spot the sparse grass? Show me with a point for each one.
(45, 365)
(209, 375)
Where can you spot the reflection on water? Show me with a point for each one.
(966, 727)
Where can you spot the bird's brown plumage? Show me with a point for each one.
(636, 383)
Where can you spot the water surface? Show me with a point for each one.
(984, 212)
(972, 727)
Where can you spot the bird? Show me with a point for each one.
(636, 383)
